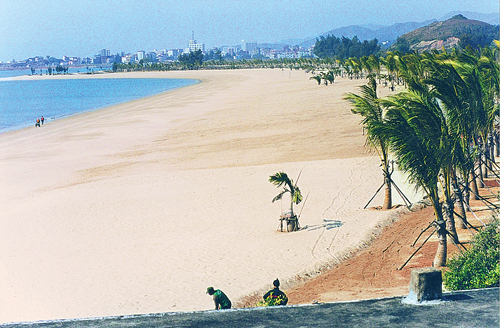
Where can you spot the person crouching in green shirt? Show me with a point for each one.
(220, 299)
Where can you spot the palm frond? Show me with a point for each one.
(414, 133)
(279, 196)
(297, 196)
(367, 105)
(279, 179)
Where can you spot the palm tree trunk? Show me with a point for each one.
(450, 219)
(480, 176)
(459, 202)
(491, 146)
(440, 258)
(441, 252)
(292, 223)
(466, 195)
(473, 186)
(461, 212)
(486, 161)
(497, 144)
(388, 191)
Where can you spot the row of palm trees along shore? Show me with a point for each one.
(441, 129)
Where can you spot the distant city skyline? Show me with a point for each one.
(82, 28)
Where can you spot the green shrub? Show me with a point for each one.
(479, 266)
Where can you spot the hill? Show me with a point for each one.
(456, 31)
(387, 35)
(493, 19)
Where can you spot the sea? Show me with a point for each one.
(22, 102)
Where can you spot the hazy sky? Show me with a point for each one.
(31, 28)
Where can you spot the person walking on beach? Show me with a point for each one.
(275, 296)
(220, 299)
(37, 124)
(42, 119)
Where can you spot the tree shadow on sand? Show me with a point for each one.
(327, 224)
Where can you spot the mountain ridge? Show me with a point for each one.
(387, 35)
(457, 30)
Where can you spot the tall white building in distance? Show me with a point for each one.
(248, 46)
(193, 45)
(141, 54)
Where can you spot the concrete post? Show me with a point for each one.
(425, 285)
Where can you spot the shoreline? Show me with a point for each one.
(98, 211)
(86, 77)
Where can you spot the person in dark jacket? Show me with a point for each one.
(275, 296)
(220, 299)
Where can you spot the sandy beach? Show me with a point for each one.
(138, 207)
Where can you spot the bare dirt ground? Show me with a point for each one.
(375, 271)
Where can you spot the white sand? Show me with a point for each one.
(137, 208)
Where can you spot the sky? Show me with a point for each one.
(82, 28)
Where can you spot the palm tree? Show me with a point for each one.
(328, 77)
(390, 63)
(468, 84)
(367, 105)
(281, 179)
(365, 64)
(489, 77)
(374, 63)
(488, 66)
(456, 98)
(413, 127)
(434, 127)
(356, 66)
(317, 78)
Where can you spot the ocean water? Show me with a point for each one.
(71, 70)
(17, 72)
(22, 102)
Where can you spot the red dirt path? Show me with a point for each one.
(373, 272)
